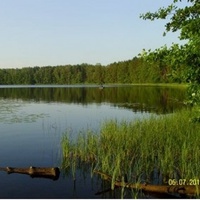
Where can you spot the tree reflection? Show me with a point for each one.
(136, 98)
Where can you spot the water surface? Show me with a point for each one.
(33, 120)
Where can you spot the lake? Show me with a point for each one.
(33, 120)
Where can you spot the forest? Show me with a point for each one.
(136, 70)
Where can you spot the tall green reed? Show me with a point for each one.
(168, 144)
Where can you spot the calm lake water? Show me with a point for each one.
(33, 120)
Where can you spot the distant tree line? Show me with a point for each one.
(135, 70)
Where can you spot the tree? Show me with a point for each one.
(186, 20)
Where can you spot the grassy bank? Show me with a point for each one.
(177, 85)
(153, 150)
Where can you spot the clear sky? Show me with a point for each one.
(59, 32)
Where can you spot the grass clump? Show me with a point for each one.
(144, 150)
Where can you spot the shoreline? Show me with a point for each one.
(182, 85)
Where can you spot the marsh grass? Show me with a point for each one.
(145, 150)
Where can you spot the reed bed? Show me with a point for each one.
(150, 150)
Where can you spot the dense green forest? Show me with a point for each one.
(135, 70)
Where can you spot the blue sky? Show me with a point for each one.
(59, 32)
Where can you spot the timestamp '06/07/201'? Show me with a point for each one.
(184, 181)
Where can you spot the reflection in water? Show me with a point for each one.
(33, 120)
(137, 98)
(102, 188)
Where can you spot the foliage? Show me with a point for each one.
(186, 20)
(136, 70)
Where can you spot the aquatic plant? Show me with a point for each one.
(150, 150)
